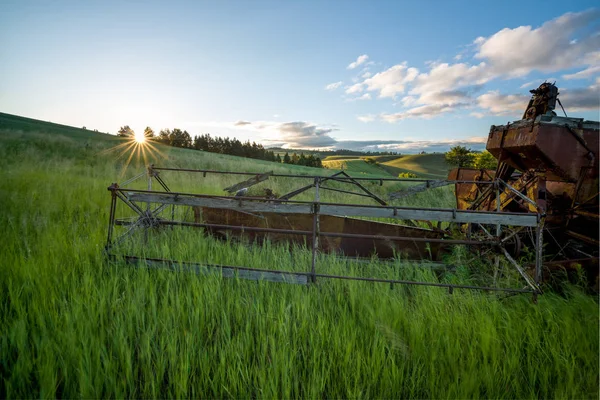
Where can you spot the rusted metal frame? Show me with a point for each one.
(592, 197)
(560, 247)
(486, 231)
(310, 176)
(132, 228)
(111, 219)
(417, 189)
(129, 203)
(223, 226)
(227, 271)
(364, 189)
(345, 191)
(538, 251)
(335, 209)
(485, 193)
(128, 181)
(524, 186)
(315, 232)
(305, 188)
(296, 192)
(166, 188)
(586, 214)
(181, 195)
(409, 238)
(520, 195)
(248, 182)
(121, 222)
(498, 227)
(583, 238)
(394, 261)
(516, 232)
(162, 182)
(294, 277)
(528, 279)
(418, 283)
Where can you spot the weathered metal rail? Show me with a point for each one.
(146, 218)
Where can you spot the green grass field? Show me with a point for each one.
(431, 166)
(75, 325)
(428, 166)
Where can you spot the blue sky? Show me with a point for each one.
(432, 73)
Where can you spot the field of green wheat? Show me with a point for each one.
(73, 324)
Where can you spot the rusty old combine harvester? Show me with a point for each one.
(543, 197)
(550, 164)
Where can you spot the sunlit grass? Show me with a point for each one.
(74, 325)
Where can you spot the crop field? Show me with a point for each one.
(73, 324)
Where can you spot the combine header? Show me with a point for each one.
(543, 196)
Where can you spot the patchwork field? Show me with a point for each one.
(73, 324)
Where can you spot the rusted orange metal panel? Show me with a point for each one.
(348, 246)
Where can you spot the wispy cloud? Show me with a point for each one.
(359, 61)
(333, 86)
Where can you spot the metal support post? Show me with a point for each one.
(315, 243)
(111, 218)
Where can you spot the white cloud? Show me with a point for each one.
(584, 74)
(516, 52)
(582, 99)
(333, 86)
(366, 118)
(567, 42)
(495, 103)
(359, 61)
(356, 88)
(427, 112)
(392, 81)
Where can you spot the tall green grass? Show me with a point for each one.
(75, 325)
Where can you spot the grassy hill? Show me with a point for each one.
(75, 325)
(423, 165)
(356, 166)
(430, 166)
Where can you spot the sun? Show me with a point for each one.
(140, 138)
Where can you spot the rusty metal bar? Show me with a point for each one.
(315, 232)
(538, 251)
(227, 271)
(519, 194)
(364, 189)
(409, 238)
(418, 188)
(207, 171)
(345, 191)
(130, 204)
(303, 189)
(307, 233)
(527, 278)
(417, 283)
(130, 180)
(498, 208)
(111, 217)
(255, 274)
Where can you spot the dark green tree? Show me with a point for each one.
(460, 156)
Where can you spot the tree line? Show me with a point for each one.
(178, 138)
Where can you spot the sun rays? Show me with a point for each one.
(136, 148)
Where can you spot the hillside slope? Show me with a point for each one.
(431, 166)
